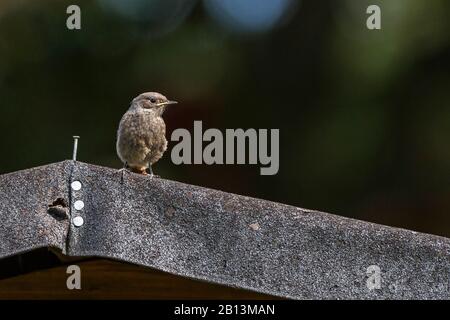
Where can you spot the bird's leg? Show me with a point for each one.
(151, 172)
(123, 170)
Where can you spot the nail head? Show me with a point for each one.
(78, 221)
(76, 185)
(79, 205)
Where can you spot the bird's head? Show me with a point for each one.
(151, 102)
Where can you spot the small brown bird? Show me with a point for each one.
(141, 138)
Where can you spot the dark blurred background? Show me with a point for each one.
(364, 115)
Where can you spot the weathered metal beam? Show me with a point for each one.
(25, 197)
(217, 237)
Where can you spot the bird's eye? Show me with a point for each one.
(152, 100)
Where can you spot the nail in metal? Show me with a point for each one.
(79, 205)
(75, 147)
(78, 221)
(76, 185)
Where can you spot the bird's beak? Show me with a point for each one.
(166, 103)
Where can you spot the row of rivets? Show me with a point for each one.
(77, 221)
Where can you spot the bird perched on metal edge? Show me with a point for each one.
(141, 138)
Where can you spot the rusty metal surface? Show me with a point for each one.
(223, 238)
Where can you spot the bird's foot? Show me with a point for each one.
(144, 172)
(151, 174)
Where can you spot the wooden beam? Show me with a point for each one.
(105, 279)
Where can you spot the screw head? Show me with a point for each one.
(76, 185)
(79, 205)
(78, 221)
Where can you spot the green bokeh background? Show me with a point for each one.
(364, 116)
